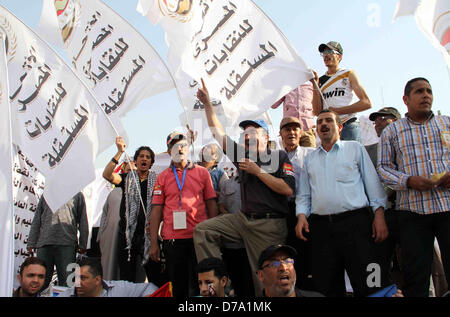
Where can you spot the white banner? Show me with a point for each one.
(55, 119)
(28, 187)
(108, 54)
(433, 18)
(6, 194)
(246, 62)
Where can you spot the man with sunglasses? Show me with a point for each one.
(339, 87)
(277, 273)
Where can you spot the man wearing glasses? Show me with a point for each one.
(277, 273)
(339, 87)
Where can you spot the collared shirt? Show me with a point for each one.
(298, 104)
(337, 181)
(297, 158)
(409, 149)
(197, 189)
(119, 289)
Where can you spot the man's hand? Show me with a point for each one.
(420, 183)
(302, 224)
(120, 144)
(315, 79)
(380, 230)
(444, 181)
(191, 136)
(203, 94)
(249, 167)
(81, 251)
(155, 252)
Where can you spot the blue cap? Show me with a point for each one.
(260, 123)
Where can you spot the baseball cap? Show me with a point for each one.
(175, 137)
(384, 112)
(332, 45)
(260, 123)
(270, 251)
(290, 120)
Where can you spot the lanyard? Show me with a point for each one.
(180, 186)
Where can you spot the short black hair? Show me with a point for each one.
(213, 264)
(338, 120)
(30, 261)
(95, 266)
(408, 87)
(145, 148)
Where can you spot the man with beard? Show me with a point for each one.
(277, 273)
(266, 178)
(31, 278)
(342, 195)
(137, 188)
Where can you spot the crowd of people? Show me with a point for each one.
(294, 222)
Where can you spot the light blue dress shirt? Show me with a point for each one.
(340, 180)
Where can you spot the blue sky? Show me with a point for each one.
(385, 55)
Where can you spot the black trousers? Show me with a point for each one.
(128, 264)
(338, 245)
(238, 267)
(417, 234)
(303, 262)
(181, 264)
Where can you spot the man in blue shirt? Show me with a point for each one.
(341, 201)
(92, 284)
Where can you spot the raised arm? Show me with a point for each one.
(362, 104)
(213, 122)
(108, 172)
(317, 102)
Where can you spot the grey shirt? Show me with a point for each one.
(119, 289)
(61, 227)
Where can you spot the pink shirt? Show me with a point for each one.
(298, 103)
(196, 190)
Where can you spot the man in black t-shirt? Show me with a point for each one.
(267, 180)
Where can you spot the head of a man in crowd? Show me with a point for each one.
(328, 126)
(383, 118)
(276, 271)
(212, 277)
(331, 53)
(256, 135)
(31, 277)
(290, 132)
(178, 147)
(144, 157)
(210, 155)
(418, 97)
(90, 279)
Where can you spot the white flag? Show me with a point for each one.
(28, 187)
(433, 18)
(246, 62)
(6, 195)
(108, 54)
(56, 121)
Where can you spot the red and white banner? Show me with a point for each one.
(245, 60)
(56, 121)
(108, 54)
(433, 18)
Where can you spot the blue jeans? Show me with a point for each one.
(351, 132)
(59, 255)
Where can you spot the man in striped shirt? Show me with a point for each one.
(413, 158)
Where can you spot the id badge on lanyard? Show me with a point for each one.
(179, 216)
